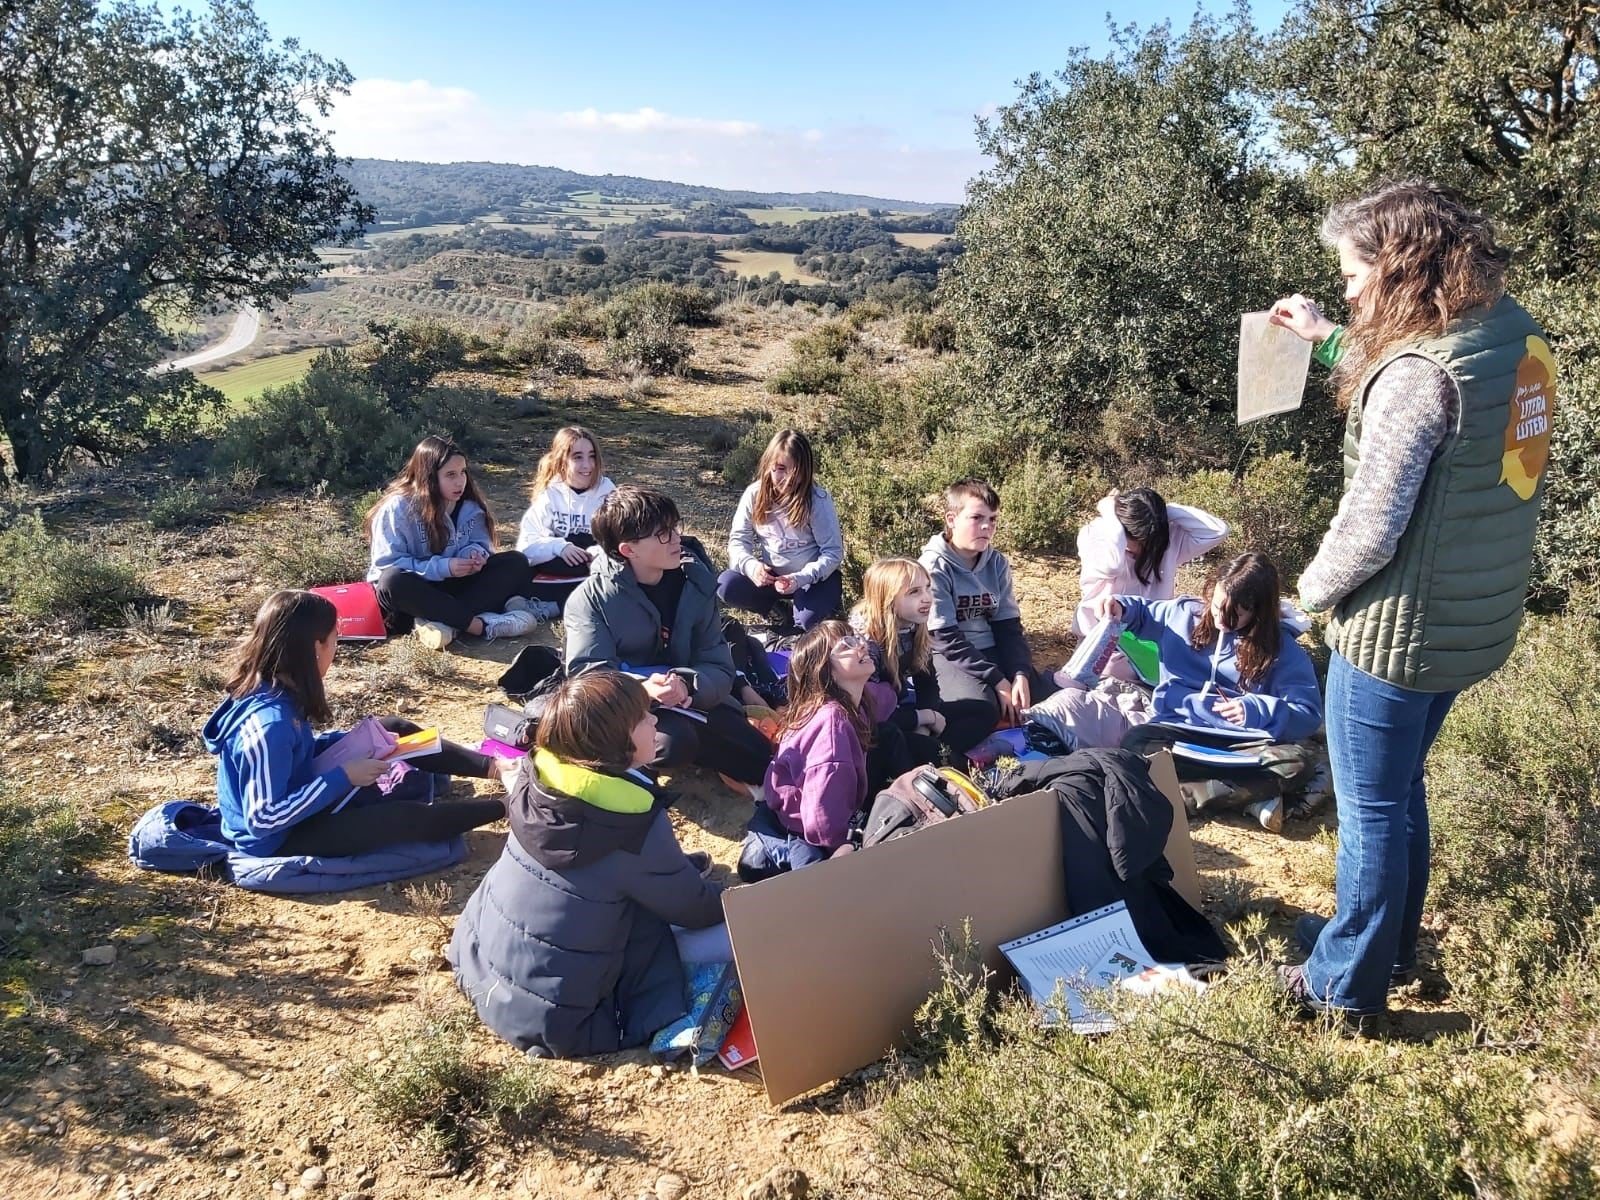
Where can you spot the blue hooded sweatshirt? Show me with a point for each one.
(264, 747)
(1285, 706)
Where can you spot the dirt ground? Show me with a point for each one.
(208, 1059)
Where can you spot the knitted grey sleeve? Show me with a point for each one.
(1411, 409)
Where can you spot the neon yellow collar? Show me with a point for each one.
(607, 792)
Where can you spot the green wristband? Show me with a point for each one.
(1329, 349)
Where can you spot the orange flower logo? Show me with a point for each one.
(1533, 409)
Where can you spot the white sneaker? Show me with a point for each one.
(507, 624)
(434, 635)
(543, 610)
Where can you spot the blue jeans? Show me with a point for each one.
(1378, 740)
(812, 605)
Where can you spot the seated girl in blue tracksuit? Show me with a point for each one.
(273, 801)
(1231, 672)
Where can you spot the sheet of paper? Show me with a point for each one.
(1067, 955)
(1272, 368)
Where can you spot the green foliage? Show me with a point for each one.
(1517, 862)
(402, 359)
(655, 303)
(1042, 503)
(1280, 506)
(187, 505)
(43, 840)
(578, 317)
(819, 362)
(82, 580)
(108, 220)
(336, 427)
(432, 1087)
(1222, 1095)
(929, 331)
(320, 550)
(652, 343)
(1132, 212)
(542, 350)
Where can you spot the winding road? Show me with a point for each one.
(245, 327)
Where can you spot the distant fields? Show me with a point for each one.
(793, 216)
(249, 379)
(762, 262)
(921, 241)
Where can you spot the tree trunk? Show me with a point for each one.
(29, 460)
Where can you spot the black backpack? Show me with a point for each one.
(528, 682)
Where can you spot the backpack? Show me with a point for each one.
(922, 796)
(533, 675)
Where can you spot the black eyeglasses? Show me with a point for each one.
(667, 536)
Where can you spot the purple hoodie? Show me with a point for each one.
(818, 778)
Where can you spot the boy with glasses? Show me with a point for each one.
(651, 609)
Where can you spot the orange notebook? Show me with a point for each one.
(414, 745)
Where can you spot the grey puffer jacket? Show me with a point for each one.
(610, 621)
(565, 948)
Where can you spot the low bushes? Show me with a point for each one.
(432, 1087)
(80, 579)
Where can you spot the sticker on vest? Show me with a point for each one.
(1533, 408)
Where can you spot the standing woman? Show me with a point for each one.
(786, 542)
(1449, 390)
(434, 564)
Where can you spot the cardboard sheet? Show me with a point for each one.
(836, 958)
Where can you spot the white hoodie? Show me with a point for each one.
(1108, 567)
(556, 512)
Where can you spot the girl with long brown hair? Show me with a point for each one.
(786, 542)
(818, 778)
(568, 488)
(1449, 392)
(434, 565)
(273, 799)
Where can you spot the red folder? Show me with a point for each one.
(739, 1047)
(360, 619)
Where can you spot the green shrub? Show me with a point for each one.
(1515, 807)
(651, 343)
(929, 331)
(403, 358)
(187, 505)
(542, 350)
(1042, 503)
(335, 427)
(863, 312)
(1280, 505)
(81, 579)
(432, 1087)
(740, 462)
(319, 550)
(818, 362)
(578, 317)
(655, 303)
(1223, 1095)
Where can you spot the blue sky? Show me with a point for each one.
(836, 96)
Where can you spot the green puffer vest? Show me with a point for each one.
(1444, 612)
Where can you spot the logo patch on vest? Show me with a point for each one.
(1533, 408)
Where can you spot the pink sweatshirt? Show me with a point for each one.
(1108, 567)
(818, 778)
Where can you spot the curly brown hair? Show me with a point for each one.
(1432, 259)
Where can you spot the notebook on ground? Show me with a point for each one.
(360, 619)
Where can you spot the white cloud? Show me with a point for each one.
(385, 118)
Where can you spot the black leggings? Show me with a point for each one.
(725, 741)
(371, 821)
(406, 597)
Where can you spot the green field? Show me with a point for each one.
(762, 262)
(248, 379)
(921, 241)
(793, 216)
(383, 235)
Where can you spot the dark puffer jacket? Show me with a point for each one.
(565, 947)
